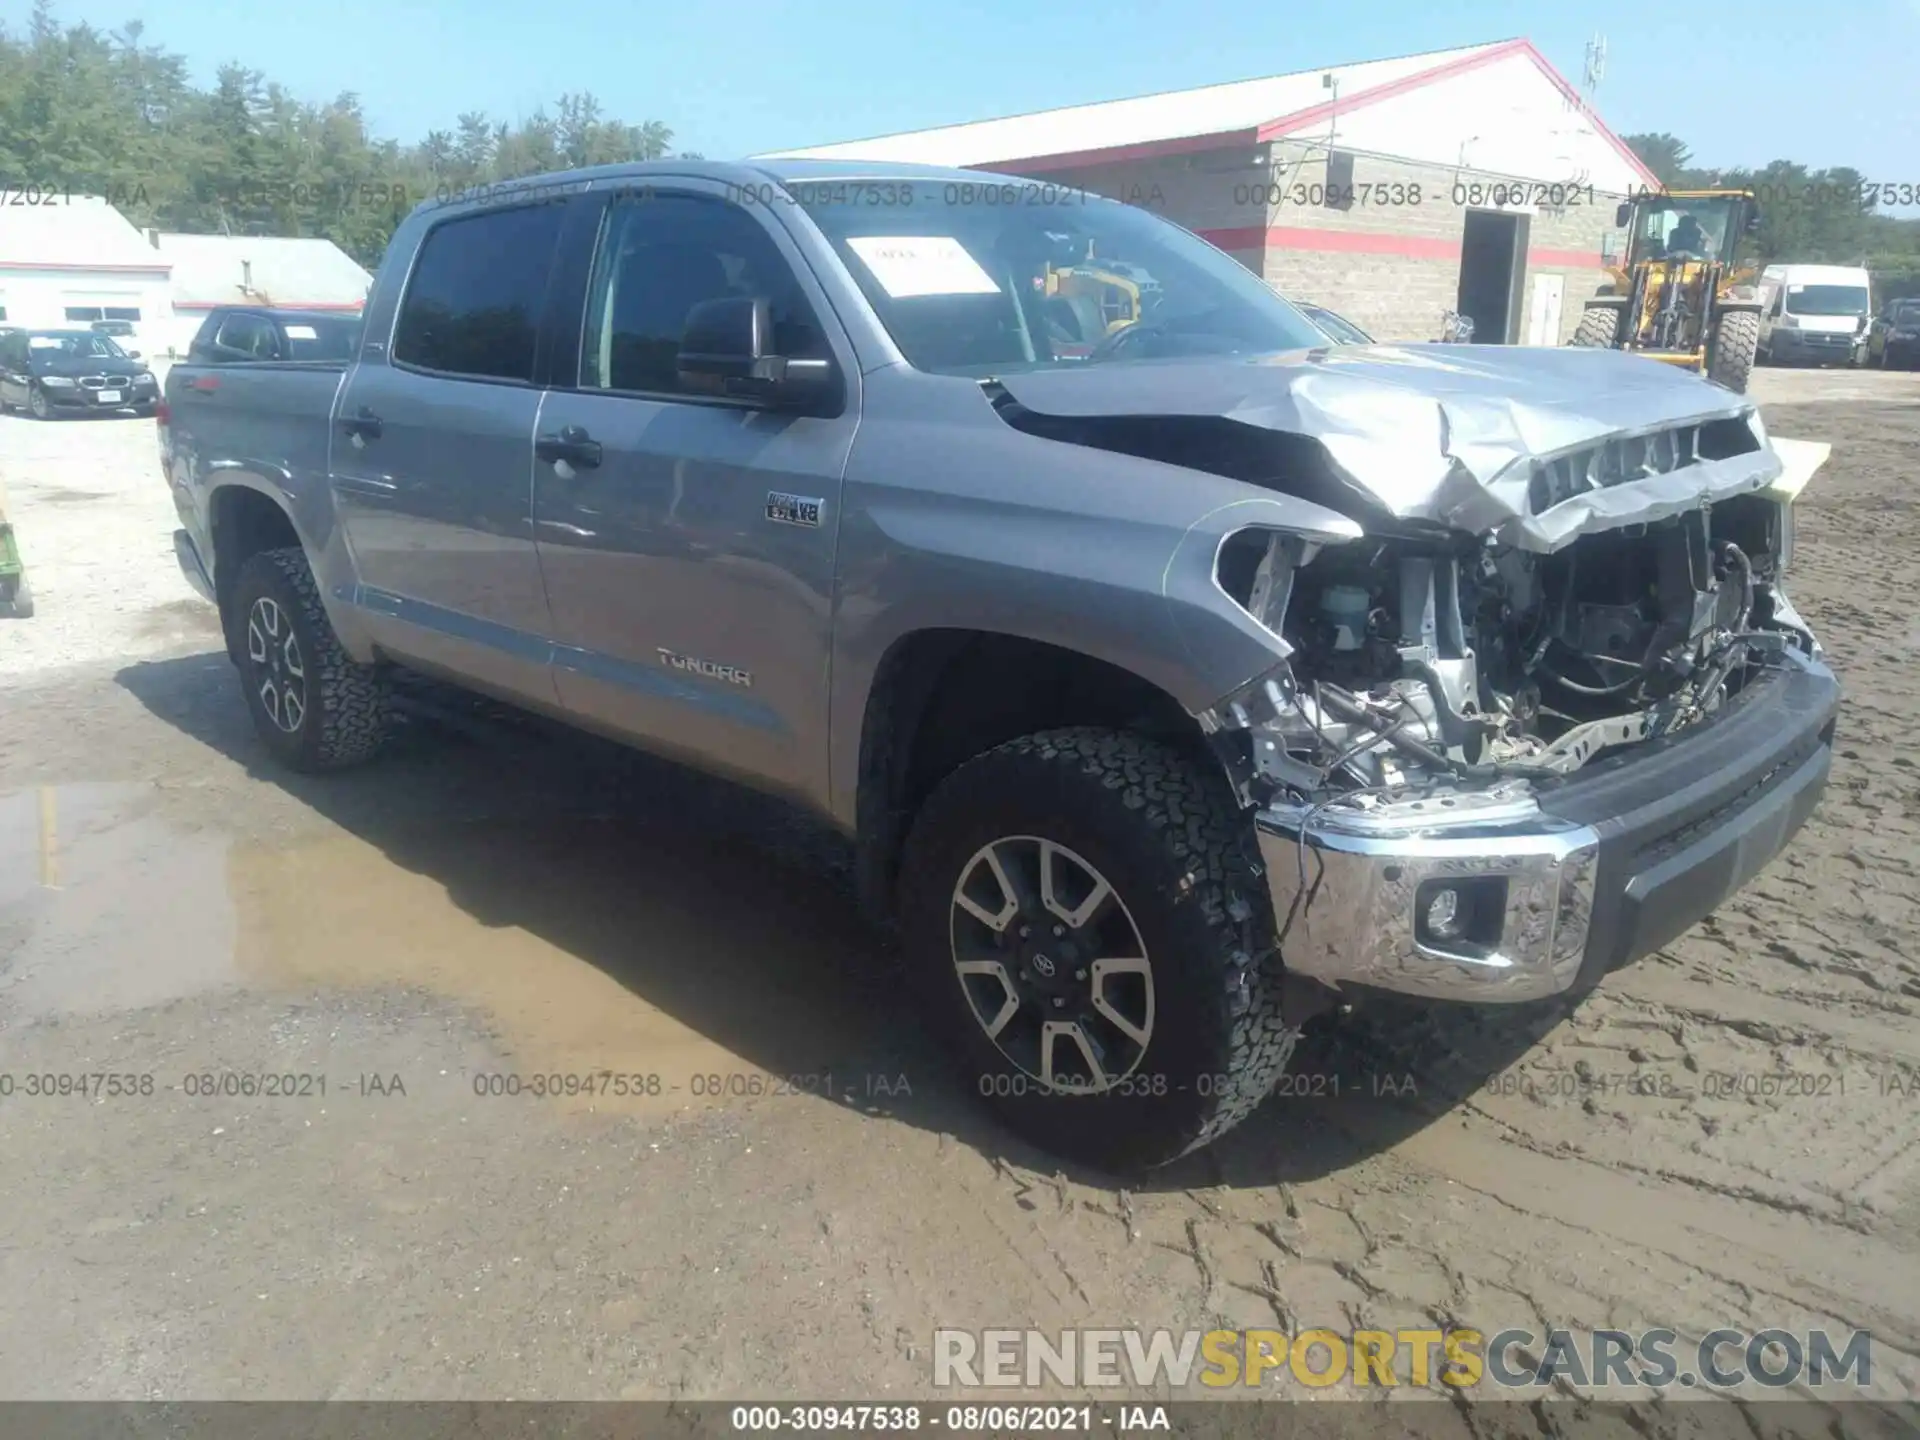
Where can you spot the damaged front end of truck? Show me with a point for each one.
(1549, 704)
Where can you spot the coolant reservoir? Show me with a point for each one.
(1345, 607)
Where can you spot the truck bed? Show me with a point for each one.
(269, 421)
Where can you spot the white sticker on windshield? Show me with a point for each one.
(910, 265)
(302, 332)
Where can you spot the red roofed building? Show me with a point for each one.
(67, 260)
(288, 272)
(1475, 179)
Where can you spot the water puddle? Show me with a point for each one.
(647, 969)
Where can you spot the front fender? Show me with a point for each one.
(953, 520)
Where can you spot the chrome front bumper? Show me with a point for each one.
(1347, 904)
(1563, 886)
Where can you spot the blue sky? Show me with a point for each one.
(1825, 83)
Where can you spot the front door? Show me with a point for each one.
(688, 553)
(432, 456)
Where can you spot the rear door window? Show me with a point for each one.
(473, 304)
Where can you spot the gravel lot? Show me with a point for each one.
(508, 901)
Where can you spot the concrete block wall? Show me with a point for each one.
(1216, 193)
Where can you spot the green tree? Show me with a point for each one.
(109, 114)
(1665, 155)
(1814, 216)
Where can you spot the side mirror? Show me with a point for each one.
(1753, 221)
(728, 339)
(726, 343)
(1623, 215)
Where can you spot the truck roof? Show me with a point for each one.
(745, 172)
(282, 313)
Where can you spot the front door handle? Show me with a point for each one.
(573, 445)
(362, 425)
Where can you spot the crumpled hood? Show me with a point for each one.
(1451, 433)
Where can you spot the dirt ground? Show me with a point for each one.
(493, 901)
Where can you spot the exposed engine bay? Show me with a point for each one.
(1417, 661)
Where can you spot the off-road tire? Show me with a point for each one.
(19, 602)
(346, 709)
(1736, 343)
(1182, 858)
(1598, 329)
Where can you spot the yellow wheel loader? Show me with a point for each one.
(1683, 293)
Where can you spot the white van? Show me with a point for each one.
(1812, 312)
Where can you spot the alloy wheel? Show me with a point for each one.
(1052, 964)
(279, 674)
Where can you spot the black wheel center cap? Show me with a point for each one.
(1051, 965)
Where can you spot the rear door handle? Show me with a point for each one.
(573, 445)
(362, 425)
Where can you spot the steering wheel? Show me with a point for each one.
(1118, 342)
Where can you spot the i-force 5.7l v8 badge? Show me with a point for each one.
(794, 509)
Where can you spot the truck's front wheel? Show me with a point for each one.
(313, 706)
(1086, 913)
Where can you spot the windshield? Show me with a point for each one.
(78, 344)
(1684, 229)
(1339, 329)
(1826, 300)
(991, 277)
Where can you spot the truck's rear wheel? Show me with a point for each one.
(1599, 327)
(312, 706)
(1085, 912)
(1736, 341)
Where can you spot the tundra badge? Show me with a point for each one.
(732, 674)
(794, 509)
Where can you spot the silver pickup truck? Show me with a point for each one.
(1176, 674)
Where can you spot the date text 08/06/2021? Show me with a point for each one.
(848, 1087)
(991, 1419)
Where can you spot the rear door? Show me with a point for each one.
(433, 454)
(691, 602)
